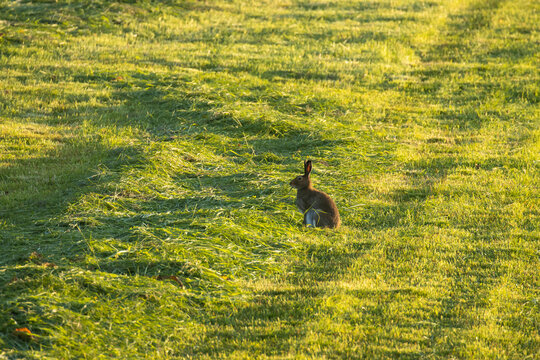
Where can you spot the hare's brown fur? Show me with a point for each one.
(318, 208)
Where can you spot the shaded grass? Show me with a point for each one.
(145, 149)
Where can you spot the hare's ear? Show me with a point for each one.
(307, 167)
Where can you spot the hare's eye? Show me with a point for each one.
(299, 178)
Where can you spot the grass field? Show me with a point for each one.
(146, 149)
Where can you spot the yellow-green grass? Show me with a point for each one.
(146, 149)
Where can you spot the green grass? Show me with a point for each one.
(146, 149)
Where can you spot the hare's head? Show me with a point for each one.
(303, 181)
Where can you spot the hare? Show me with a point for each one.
(318, 208)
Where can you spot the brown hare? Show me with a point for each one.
(318, 208)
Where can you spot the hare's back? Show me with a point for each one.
(325, 203)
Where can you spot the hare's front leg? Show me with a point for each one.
(310, 218)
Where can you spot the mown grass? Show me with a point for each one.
(146, 148)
